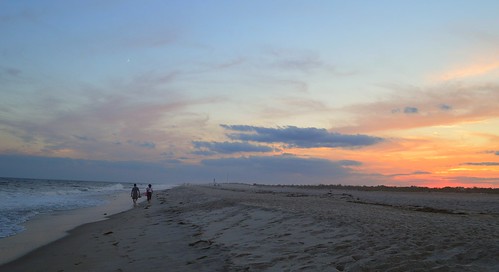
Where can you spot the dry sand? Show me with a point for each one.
(251, 228)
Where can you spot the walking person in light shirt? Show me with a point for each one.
(149, 193)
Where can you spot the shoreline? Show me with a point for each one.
(232, 227)
(43, 229)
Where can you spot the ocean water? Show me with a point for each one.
(22, 199)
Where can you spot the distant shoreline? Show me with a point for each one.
(385, 188)
(446, 189)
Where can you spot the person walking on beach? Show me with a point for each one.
(135, 194)
(149, 193)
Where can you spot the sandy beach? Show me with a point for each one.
(236, 227)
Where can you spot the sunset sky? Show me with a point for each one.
(281, 92)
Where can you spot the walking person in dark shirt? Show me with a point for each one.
(135, 194)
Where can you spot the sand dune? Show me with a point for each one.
(235, 227)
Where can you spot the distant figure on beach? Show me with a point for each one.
(149, 193)
(135, 194)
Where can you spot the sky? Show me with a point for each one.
(396, 93)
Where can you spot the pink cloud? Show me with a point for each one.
(445, 105)
(107, 123)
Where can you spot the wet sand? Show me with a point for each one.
(235, 227)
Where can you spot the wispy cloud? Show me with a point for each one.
(470, 71)
(158, 38)
(138, 114)
(11, 72)
(288, 60)
(304, 64)
(12, 75)
(23, 14)
(230, 63)
(284, 107)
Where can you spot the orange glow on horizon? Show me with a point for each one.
(426, 162)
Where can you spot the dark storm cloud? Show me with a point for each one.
(411, 110)
(299, 137)
(148, 145)
(350, 163)
(411, 174)
(407, 110)
(421, 173)
(445, 107)
(208, 148)
(482, 163)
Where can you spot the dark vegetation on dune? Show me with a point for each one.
(397, 189)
